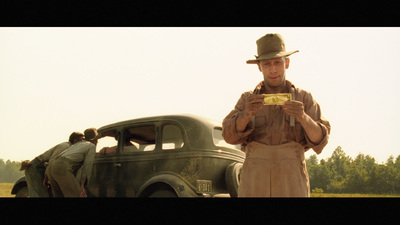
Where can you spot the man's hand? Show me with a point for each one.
(253, 103)
(46, 183)
(294, 108)
(25, 164)
(312, 129)
(83, 193)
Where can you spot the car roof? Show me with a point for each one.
(183, 118)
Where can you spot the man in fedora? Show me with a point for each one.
(275, 137)
(61, 171)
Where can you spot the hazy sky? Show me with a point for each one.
(54, 81)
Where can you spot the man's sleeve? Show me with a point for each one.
(47, 154)
(229, 132)
(314, 111)
(88, 164)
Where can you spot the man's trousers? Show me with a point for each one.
(62, 179)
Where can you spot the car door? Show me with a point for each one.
(136, 158)
(102, 182)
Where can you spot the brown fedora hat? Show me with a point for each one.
(270, 46)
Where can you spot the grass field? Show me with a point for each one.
(5, 191)
(334, 195)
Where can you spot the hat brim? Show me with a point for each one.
(270, 56)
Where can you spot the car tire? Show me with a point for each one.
(22, 192)
(164, 193)
(232, 178)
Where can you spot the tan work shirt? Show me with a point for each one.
(85, 152)
(50, 154)
(272, 125)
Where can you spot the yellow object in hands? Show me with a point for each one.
(276, 99)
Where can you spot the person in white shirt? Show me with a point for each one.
(61, 170)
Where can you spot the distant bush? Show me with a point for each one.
(317, 191)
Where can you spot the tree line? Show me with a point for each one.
(342, 174)
(9, 171)
(336, 174)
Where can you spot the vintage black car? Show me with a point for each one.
(164, 156)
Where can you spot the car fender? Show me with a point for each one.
(176, 182)
(21, 182)
(232, 178)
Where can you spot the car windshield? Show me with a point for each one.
(219, 140)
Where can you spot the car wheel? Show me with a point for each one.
(22, 193)
(163, 193)
(232, 178)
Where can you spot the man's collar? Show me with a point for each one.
(260, 88)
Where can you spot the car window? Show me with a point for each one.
(172, 137)
(219, 140)
(108, 140)
(141, 138)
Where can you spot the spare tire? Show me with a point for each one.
(232, 178)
